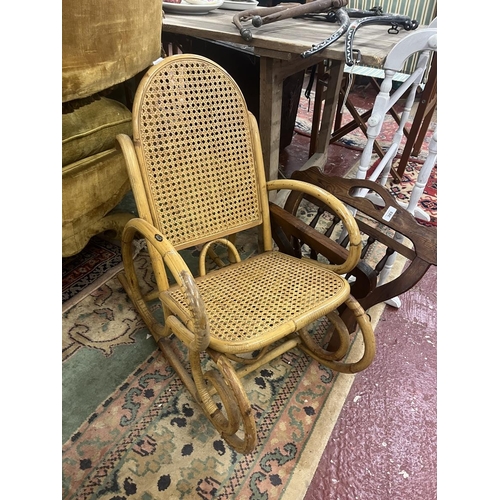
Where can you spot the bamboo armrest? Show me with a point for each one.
(336, 207)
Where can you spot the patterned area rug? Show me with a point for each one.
(131, 431)
(92, 266)
(149, 439)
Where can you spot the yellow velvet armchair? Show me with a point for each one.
(103, 45)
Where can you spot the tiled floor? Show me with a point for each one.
(383, 446)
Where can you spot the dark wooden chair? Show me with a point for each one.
(378, 224)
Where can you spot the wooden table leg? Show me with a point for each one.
(271, 96)
(272, 74)
(331, 93)
(421, 120)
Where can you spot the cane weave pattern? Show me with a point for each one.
(255, 298)
(194, 131)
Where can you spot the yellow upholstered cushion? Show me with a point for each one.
(90, 189)
(93, 128)
(107, 42)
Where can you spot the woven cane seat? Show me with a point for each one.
(237, 299)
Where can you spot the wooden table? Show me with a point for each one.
(279, 46)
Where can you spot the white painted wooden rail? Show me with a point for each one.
(422, 42)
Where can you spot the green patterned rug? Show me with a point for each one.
(148, 439)
(131, 431)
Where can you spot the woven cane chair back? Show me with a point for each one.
(190, 152)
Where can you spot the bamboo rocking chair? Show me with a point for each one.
(197, 174)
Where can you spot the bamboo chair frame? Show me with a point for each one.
(197, 173)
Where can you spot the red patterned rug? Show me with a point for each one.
(91, 266)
